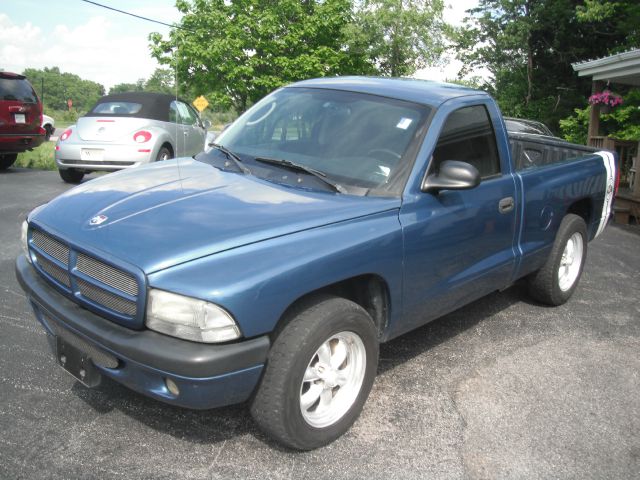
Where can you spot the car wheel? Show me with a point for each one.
(164, 154)
(318, 375)
(7, 159)
(556, 281)
(71, 175)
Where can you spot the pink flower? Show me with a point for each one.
(605, 98)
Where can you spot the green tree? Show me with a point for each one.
(61, 86)
(619, 20)
(128, 87)
(236, 51)
(400, 36)
(161, 80)
(529, 45)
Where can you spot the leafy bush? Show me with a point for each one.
(575, 128)
(41, 158)
(622, 123)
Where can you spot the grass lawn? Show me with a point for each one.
(41, 157)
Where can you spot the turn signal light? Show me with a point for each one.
(142, 136)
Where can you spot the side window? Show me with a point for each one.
(193, 115)
(185, 115)
(468, 136)
(173, 112)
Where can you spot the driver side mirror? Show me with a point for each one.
(453, 175)
(206, 123)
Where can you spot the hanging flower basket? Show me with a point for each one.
(606, 100)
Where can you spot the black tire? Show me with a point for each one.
(276, 405)
(7, 159)
(48, 131)
(545, 284)
(164, 154)
(71, 175)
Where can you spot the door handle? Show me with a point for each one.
(506, 205)
(186, 134)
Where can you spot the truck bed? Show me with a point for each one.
(532, 151)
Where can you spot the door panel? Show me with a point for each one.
(177, 129)
(459, 244)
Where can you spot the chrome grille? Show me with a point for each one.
(87, 280)
(109, 300)
(107, 274)
(51, 246)
(60, 274)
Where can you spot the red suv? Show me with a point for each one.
(20, 118)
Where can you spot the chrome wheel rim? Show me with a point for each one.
(332, 380)
(570, 262)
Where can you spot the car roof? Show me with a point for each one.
(155, 106)
(425, 92)
(11, 75)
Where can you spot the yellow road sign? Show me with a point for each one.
(200, 103)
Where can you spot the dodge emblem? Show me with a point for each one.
(98, 219)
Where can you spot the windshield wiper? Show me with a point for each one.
(301, 168)
(231, 156)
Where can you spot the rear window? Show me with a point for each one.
(17, 89)
(117, 108)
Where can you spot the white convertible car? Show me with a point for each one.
(126, 130)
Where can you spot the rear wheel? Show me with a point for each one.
(71, 175)
(318, 375)
(164, 154)
(556, 281)
(7, 159)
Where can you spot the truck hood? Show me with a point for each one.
(172, 212)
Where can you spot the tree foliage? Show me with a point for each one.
(236, 51)
(622, 122)
(529, 45)
(128, 87)
(400, 36)
(61, 86)
(160, 81)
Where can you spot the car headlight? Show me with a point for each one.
(24, 239)
(189, 318)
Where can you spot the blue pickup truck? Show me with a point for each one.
(333, 215)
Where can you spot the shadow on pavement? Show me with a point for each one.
(217, 425)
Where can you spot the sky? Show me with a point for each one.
(92, 42)
(109, 47)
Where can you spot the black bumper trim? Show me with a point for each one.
(149, 348)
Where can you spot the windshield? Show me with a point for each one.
(358, 140)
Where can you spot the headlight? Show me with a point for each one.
(189, 318)
(24, 239)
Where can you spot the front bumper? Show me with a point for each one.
(208, 375)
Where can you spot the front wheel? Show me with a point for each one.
(556, 281)
(71, 175)
(318, 375)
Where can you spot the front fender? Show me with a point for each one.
(258, 282)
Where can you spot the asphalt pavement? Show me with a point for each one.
(502, 388)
